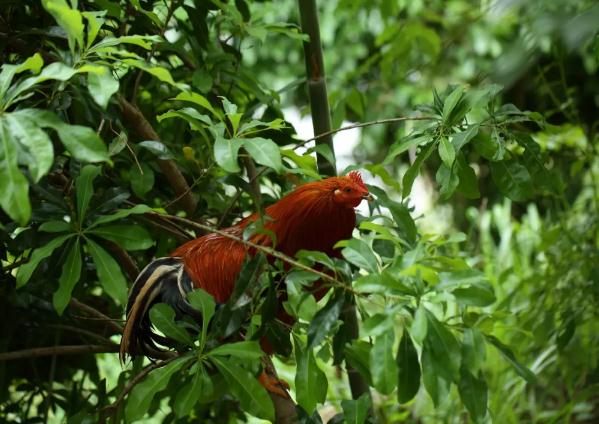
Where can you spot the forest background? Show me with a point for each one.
(129, 127)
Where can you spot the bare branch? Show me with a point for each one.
(58, 350)
(140, 125)
(74, 303)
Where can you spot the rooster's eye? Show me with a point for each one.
(347, 190)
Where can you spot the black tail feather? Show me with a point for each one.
(164, 280)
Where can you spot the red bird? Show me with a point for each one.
(314, 216)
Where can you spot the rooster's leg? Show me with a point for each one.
(271, 382)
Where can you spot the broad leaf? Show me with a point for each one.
(25, 270)
(140, 397)
(446, 151)
(356, 411)
(69, 19)
(512, 178)
(71, 271)
(244, 350)
(123, 213)
(408, 367)
(13, 184)
(84, 187)
(163, 318)
(127, 236)
(383, 365)
(443, 348)
(188, 396)
(225, 153)
(325, 319)
(251, 395)
(203, 302)
(264, 151)
(473, 392)
(360, 254)
(26, 131)
(310, 382)
(102, 85)
(109, 273)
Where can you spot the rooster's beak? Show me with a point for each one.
(368, 197)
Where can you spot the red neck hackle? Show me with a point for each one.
(316, 215)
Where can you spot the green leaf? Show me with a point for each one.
(408, 367)
(71, 271)
(405, 144)
(473, 349)
(163, 318)
(244, 350)
(469, 286)
(356, 411)
(84, 186)
(264, 151)
(225, 153)
(460, 139)
(325, 319)
(142, 180)
(188, 396)
(102, 85)
(509, 356)
(203, 302)
(446, 152)
(55, 227)
(82, 142)
(109, 273)
(162, 74)
(382, 363)
(310, 382)
(158, 148)
(468, 184)
(140, 397)
(127, 236)
(25, 270)
(69, 19)
(419, 325)
(451, 101)
(432, 377)
(448, 180)
(35, 140)
(473, 392)
(197, 99)
(143, 41)
(123, 213)
(13, 185)
(95, 20)
(360, 254)
(512, 178)
(443, 348)
(33, 63)
(382, 282)
(412, 172)
(245, 387)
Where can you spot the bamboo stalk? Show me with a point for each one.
(321, 121)
(317, 86)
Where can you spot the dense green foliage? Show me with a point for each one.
(481, 307)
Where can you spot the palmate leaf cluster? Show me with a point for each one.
(492, 318)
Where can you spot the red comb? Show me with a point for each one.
(356, 177)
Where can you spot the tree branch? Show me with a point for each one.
(140, 125)
(74, 303)
(58, 350)
(365, 124)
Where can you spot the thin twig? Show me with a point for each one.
(58, 350)
(74, 303)
(366, 124)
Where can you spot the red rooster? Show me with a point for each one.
(315, 216)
